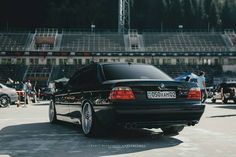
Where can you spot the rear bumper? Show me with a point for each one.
(152, 117)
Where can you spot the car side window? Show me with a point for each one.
(85, 78)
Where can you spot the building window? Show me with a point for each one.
(34, 61)
(167, 61)
(21, 61)
(180, 61)
(156, 61)
(87, 61)
(63, 61)
(129, 60)
(143, 60)
(138, 60)
(232, 61)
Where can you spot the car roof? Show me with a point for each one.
(109, 63)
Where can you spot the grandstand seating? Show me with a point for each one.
(13, 41)
(92, 42)
(184, 42)
(14, 72)
(39, 73)
(52, 39)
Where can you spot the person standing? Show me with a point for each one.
(201, 81)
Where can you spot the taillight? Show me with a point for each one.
(122, 93)
(194, 94)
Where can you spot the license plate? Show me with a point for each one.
(161, 94)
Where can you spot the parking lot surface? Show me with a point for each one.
(25, 131)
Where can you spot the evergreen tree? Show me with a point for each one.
(226, 15)
(213, 15)
(188, 13)
(175, 15)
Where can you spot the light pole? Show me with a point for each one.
(93, 27)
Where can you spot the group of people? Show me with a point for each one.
(201, 82)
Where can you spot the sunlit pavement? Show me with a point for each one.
(25, 131)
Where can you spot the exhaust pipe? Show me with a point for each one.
(192, 123)
(130, 125)
(127, 125)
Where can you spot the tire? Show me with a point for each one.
(172, 129)
(89, 123)
(5, 101)
(213, 100)
(235, 101)
(52, 113)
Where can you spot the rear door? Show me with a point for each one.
(84, 85)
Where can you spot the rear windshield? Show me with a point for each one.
(133, 71)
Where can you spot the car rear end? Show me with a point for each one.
(151, 103)
(145, 104)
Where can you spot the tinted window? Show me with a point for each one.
(133, 71)
(85, 77)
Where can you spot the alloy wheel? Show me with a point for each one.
(87, 118)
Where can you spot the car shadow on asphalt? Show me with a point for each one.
(223, 116)
(220, 103)
(63, 139)
(232, 107)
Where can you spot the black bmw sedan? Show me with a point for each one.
(102, 95)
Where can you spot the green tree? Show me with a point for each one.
(189, 13)
(226, 15)
(214, 15)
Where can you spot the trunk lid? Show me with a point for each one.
(157, 91)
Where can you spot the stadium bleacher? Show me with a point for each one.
(184, 42)
(92, 42)
(13, 41)
(14, 72)
(53, 41)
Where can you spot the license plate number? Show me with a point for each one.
(161, 94)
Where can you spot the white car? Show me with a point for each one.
(7, 96)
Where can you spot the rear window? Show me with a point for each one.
(133, 71)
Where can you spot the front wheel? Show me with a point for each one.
(89, 124)
(52, 112)
(172, 129)
(4, 101)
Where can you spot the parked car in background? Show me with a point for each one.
(45, 93)
(210, 91)
(19, 90)
(103, 95)
(225, 92)
(7, 96)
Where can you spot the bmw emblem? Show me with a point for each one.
(162, 85)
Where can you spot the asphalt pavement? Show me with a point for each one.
(26, 132)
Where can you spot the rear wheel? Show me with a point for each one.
(89, 124)
(5, 101)
(172, 129)
(52, 112)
